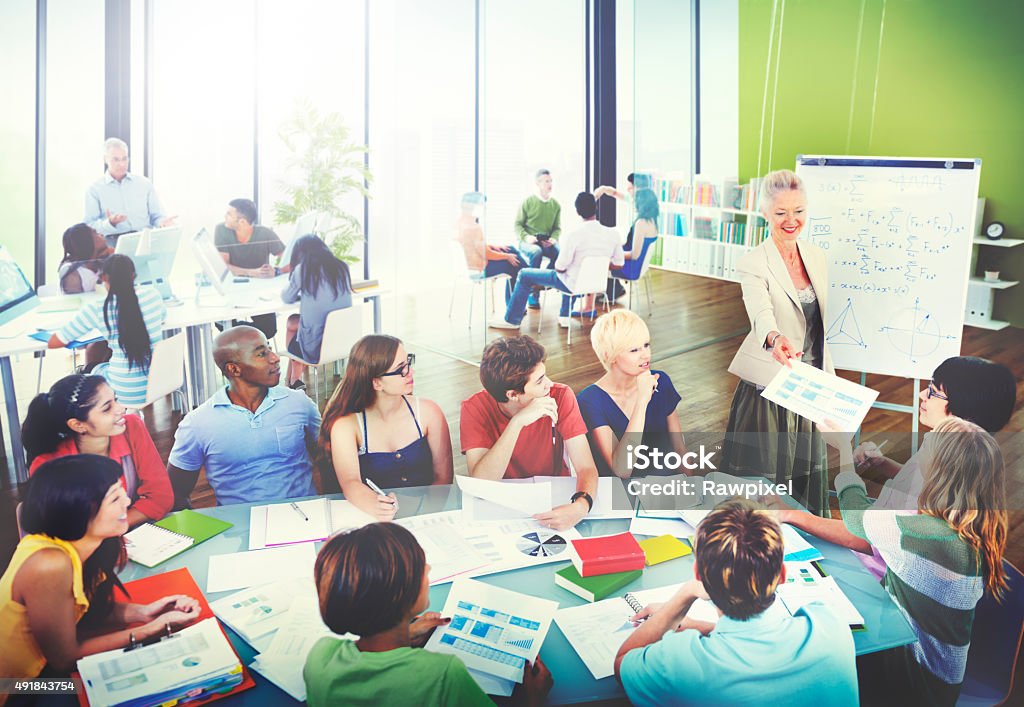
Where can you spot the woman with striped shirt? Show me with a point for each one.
(131, 318)
(941, 559)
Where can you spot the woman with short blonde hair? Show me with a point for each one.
(785, 284)
(630, 404)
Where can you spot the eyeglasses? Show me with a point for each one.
(404, 369)
(933, 393)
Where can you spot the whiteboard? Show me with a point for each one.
(897, 237)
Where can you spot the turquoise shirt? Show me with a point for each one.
(770, 659)
(251, 456)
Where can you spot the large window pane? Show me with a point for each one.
(202, 93)
(17, 129)
(74, 115)
(534, 106)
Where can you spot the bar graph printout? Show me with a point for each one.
(819, 396)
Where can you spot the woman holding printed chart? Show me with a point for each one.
(57, 595)
(374, 431)
(785, 282)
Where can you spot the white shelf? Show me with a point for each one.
(1001, 243)
(993, 324)
(995, 285)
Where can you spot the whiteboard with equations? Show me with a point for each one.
(897, 238)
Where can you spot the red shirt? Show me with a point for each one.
(153, 496)
(482, 422)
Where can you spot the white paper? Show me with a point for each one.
(816, 395)
(492, 507)
(641, 525)
(805, 585)
(493, 630)
(238, 570)
(492, 685)
(258, 611)
(796, 546)
(344, 516)
(596, 631)
(527, 499)
(299, 522)
(448, 552)
(191, 657)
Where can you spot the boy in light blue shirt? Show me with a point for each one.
(252, 437)
(757, 653)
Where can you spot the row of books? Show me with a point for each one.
(730, 194)
(701, 257)
(709, 229)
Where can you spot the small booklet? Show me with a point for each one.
(149, 544)
(807, 583)
(298, 522)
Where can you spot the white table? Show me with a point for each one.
(195, 315)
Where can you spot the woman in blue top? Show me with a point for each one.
(630, 402)
(642, 234)
(321, 284)
(131, 318)
(374, 430)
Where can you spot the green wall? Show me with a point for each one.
(932, 78)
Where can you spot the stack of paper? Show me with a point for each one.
(280, 523)
(494, 631)
(485, 501)
(197, 659)
(806, 583)
(256, 613)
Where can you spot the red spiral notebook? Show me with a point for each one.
(179, 581)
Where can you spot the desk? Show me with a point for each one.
(573, 682)
(194, 315)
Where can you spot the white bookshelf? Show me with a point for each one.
(701, 229)
(981, 293)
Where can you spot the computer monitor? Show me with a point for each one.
(153, 251)
(214, 267)
(16, 293)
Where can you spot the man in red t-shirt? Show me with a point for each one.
(522, 425)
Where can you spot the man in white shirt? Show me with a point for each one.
(122, 202)
(590, 239)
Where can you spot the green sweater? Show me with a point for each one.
(537, 216)
(338, 673)
(936, 580)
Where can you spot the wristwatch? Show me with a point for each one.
(586, 497)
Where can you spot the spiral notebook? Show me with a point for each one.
(153, 543)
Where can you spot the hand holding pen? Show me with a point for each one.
(387, 503)
(867, 454)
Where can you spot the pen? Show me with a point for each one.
(878, 449)
(295, 507)
(376, 489)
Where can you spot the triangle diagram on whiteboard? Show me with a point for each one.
(845, 330)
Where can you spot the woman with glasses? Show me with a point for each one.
(967, 387)
(375, 431)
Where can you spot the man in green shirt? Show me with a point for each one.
(538, 224)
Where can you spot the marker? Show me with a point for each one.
(295, 507)
(878, 448)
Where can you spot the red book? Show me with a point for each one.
(607, 554)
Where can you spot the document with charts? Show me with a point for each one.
(493, 630)
(819, 396)
(596, 631)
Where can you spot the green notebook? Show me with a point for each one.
(594, 588)
(197, 526)
(153, 543)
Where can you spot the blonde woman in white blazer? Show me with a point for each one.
(785, 286)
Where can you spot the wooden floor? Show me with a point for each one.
(696, 325)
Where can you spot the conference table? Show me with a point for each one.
(195, 313)
(886, 626)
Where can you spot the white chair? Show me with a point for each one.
(167, 371)
(343, 328)
(644, 275)
(476, 277)
(592, 278)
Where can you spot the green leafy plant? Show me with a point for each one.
(325, 165)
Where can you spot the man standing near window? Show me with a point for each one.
(122, 202)
(538, 224)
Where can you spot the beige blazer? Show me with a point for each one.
(772, 305)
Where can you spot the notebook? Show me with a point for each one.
(153, 543)
(594, 588)
(807, 582)
(663, 548)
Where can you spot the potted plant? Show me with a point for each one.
(325, 165)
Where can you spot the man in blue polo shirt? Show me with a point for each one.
(757, 653)
(252, 437)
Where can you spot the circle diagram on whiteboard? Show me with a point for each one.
(538, 543)
(914, 332)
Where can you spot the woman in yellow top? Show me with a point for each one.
(57, 594)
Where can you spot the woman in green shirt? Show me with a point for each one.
(374, 582)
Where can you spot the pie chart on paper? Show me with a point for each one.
(540, 544)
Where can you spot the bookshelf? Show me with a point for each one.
(981, 293)
(704, 227)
